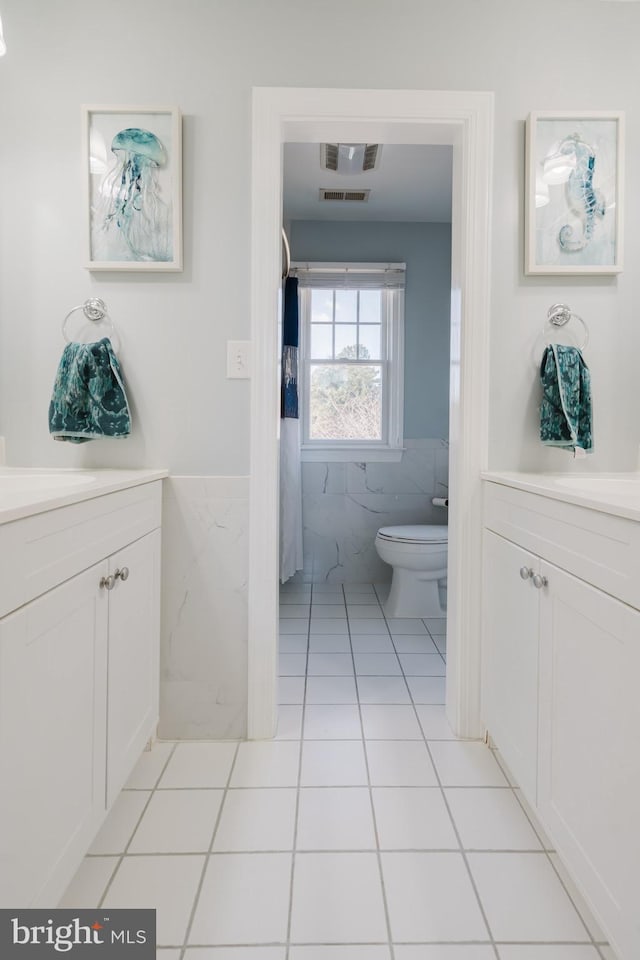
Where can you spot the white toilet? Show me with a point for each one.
(418, 555)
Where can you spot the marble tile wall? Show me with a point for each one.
(345, 504)
(203, 692)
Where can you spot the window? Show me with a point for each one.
(352, 360)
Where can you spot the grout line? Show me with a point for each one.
(382, 943)
(207, 857)
(297, 806)
(337, 676)
(290, 786)
(144, 810)
(373, 811)
(305, 850)
(568, 893)
(462, 850)
(451, 818)
(545, 849)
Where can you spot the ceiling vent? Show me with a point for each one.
(350, 196)
(349, 157)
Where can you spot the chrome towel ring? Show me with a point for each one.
(559, 314)
(94, 310)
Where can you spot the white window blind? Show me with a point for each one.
(363, 276)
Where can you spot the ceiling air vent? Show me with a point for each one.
(349, 158)
(329, 156)
(351, 196)
(370, 156)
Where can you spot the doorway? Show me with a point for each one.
(463, 121)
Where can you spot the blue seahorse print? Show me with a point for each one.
(582, 199)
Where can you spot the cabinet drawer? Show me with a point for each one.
(599, 548)
(41, 551)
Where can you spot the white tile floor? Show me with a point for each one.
(365, 831)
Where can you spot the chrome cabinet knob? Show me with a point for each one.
(526, 573)
(539, 582)
(122, 574)
(107, 583)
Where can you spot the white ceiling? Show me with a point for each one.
(410, 183)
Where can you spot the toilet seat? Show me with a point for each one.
(415, 533)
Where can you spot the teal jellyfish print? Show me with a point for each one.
(133, 217)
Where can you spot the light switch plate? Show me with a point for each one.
(238, 359)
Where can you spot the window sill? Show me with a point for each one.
(351, 454)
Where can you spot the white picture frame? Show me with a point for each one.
(574, 193)
(132, 162)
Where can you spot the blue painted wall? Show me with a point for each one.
(426, 250)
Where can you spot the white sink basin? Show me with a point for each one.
(17, 481)
(620, 486)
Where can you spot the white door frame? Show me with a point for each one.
(464, 120)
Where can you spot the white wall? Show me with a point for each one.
(205, 55)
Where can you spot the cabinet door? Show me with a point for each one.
(589, 747)
(132, 713)
(510, 658)
(53, 665)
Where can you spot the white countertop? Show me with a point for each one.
(28, 490)
(614, 493)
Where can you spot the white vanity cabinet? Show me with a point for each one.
(53, 695)
(134, 629)
(589, 756)
(561, 667)
(78, 681)
(510, 657)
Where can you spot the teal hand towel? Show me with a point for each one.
(565, 413)
(89, 398)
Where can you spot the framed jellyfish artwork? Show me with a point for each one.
(133, 187)
(574, 193)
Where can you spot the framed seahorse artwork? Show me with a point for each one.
(574, 192)
(133, 187)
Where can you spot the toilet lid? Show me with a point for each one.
(415, 533)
